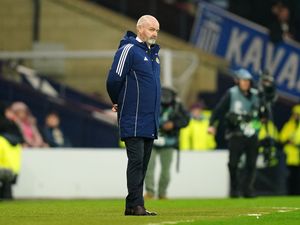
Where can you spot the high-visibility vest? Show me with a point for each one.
(10, 155)
(291, 133)
(272, 131)
(269, 130)
(240, 104)
(195, 136)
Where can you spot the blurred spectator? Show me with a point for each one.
(195, 135)
(27, 124)
(10, 153)
(8, 126)
(290, 138)
(281, 26)
(53, 133)
(280, 16)
(173, 116)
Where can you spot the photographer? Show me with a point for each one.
(240, 106)
(268, 134)
(173, 116)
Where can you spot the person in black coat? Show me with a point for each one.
(133, 84)
(53, 133)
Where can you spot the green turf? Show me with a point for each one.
(258, 211)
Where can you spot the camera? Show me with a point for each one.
(266, 88)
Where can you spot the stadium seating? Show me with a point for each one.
(86, 125)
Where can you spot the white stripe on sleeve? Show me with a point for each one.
(122, 59)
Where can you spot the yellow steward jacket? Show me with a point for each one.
(290, 134)
(195, 136)
(272, 131)
(269, 131)
(10, 156)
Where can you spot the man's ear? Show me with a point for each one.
(139, 29)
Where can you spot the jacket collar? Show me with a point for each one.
(130, 38)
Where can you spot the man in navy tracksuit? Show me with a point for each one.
(133, 85)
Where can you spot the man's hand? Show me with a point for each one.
(114, 108)
(211, 130)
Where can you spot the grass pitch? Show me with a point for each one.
(258, 211)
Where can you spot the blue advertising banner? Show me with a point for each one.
(245, 44)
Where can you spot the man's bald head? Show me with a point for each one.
(146, 19)
(147, 29)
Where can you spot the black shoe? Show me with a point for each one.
(138, 211)
(128, 212)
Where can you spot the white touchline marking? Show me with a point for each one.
(257, 215)
(278, 210)
(282, 211)
(285, 209)
(171, 222)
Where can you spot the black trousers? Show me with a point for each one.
(7, 179)
(293, 180)
(138, 154)
(5, 190)
(237, 146)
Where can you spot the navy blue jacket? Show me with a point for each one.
(134, 84)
